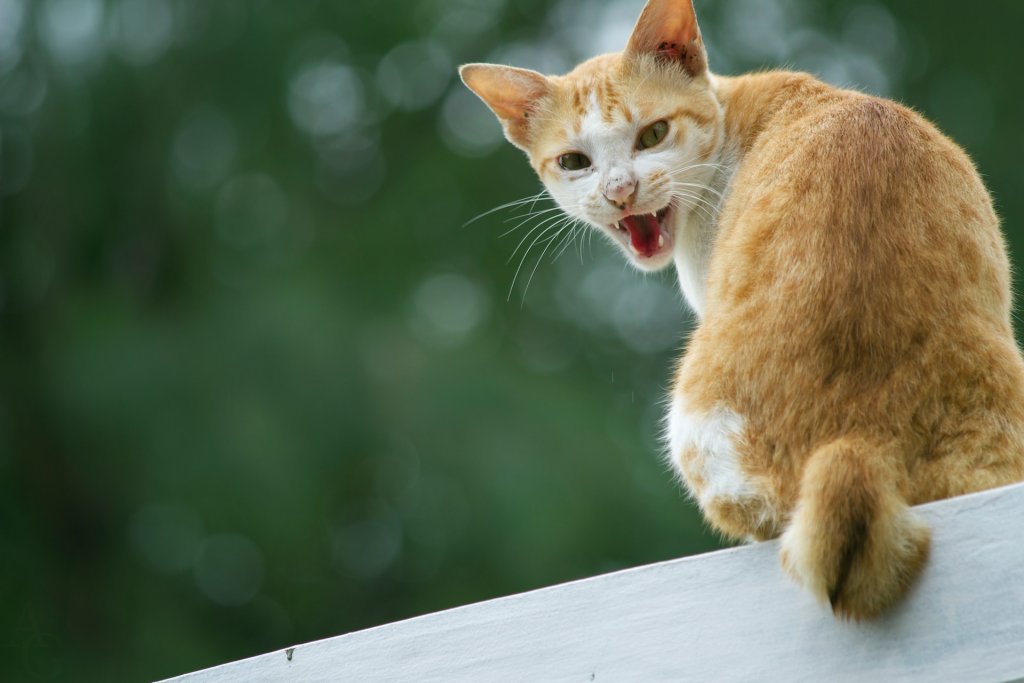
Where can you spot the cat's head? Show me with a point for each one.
(625, 141)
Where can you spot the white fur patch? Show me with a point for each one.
(692, 254)
(593, 127)
(712, 436)
(696, 234)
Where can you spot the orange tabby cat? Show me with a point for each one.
(854, 354)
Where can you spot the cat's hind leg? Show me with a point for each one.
(853, 540)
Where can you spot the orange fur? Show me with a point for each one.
(855, 354)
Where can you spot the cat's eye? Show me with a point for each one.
(652, 135)
(573, 161)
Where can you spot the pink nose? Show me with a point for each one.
(620, 188)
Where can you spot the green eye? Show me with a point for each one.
(573, 161)
(652, 135)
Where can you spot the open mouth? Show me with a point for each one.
(647, 233)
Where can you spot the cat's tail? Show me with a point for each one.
(853, 540)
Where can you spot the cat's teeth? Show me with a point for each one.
(661, 240)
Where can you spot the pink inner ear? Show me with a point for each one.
(668, 28)
(677, 33)
(509, 92)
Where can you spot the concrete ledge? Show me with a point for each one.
(725, 616)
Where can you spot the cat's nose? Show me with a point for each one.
(620, 188)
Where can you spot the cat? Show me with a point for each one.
(854, 353)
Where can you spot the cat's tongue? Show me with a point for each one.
(644, 233)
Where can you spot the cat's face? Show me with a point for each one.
(625, 142)
(627, 146)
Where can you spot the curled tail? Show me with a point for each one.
(853, 540)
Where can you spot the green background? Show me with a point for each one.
(259, 385)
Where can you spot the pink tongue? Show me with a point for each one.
(643, 232)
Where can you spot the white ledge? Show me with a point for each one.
(724, 616)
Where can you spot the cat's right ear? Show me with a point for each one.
(668, 29)
(511, 93)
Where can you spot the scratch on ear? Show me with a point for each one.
(672, 51)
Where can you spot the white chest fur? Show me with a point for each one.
(697, 229)
(693, 250)
(704, 451)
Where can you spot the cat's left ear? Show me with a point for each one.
(511, 93)
(668, 29)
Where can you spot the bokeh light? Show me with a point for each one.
(265, 380)
(72, 30)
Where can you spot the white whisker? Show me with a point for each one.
(526, 253)
(704, 201)
(534, 229)
(699, 186)
(535, 265)
(518, 202)
(530, 214)
(526, 220)
(689, 167)
(568, 240)
(692, 206)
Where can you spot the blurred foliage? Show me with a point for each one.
(261, 387)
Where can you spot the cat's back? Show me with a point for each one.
(859, 281)
(839, 193)
(801, 133)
